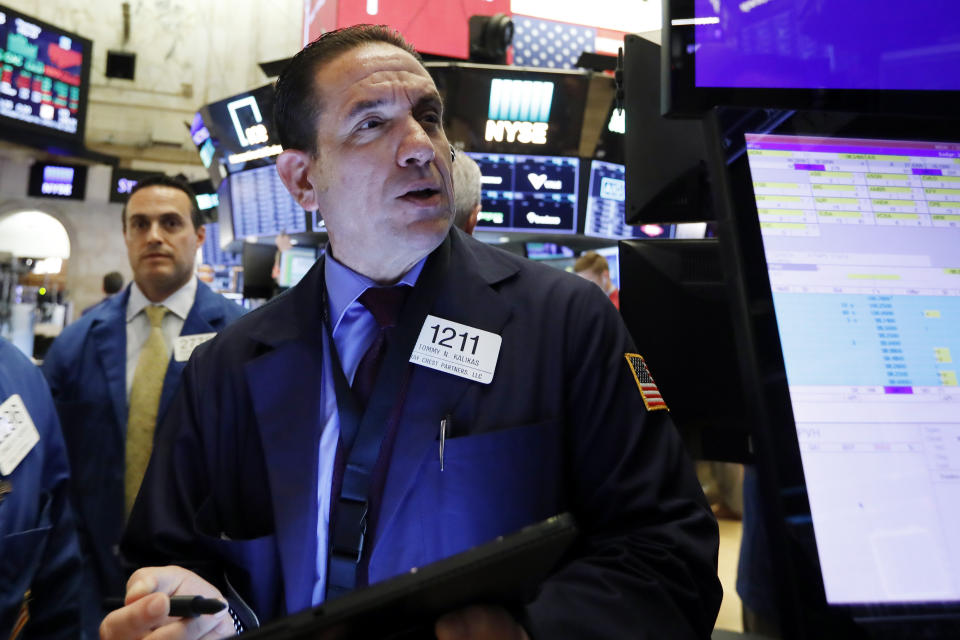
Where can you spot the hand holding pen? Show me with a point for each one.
(150, 611)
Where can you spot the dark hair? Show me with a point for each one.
(112, 282)
(196, 217)
(296, 105)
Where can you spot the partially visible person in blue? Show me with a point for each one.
(40, 565)
(114, 372)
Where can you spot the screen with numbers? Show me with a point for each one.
(261, 205)
(861, 241)
(44, 77)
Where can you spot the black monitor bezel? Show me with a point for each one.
(681, 97)
(42, 137)
(803, 606)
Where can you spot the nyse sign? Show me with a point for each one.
(522, 132)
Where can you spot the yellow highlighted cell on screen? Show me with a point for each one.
(779, 199)
(873, 156)
(894, 203)
(833, 187)
(776, 185)
(873, 276)
(887, 176)
(942, 354)
(770, 153)
(931, 313)
(939, 191)
(941, 204)
(830, 174)
(840, 214)
(941, 178)
(782, 225)
(897, 216)
(952, 272)
(891, 189)
(948, 378)
(834, 200)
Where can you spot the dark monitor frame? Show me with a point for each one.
(665, 159)
(681, 96)
(258, 261)
(43, 137)
(685, 338)
(804, 611)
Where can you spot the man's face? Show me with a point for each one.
(382, 175)
(161, 240)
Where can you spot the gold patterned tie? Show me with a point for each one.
(144, 403)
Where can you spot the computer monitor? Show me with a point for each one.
(665, 159)
(604, 215)
(673, 298)
(862, 56)
(294, 264)
(535, 194)
(44, 82)
(258, 261)
(213, 253)
(842, 234)
(262, 206)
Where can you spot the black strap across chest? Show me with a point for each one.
(362, 431)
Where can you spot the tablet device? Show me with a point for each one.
(506, 571)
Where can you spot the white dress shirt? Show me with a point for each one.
(179, 304)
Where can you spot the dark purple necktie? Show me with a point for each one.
(385, 304)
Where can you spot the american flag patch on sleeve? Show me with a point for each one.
(652, 399)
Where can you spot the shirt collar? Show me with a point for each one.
(179, 302)
(344, 285)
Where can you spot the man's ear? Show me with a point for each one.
(293, 166)
(472, 220)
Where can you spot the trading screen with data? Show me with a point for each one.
(262, 205)
(862, 241)
(41, 74)
(528, 193)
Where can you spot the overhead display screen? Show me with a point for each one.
(860, 238)
(502, 110)
(261, 205)
(122, 182)
(64, 181)
(43, 76)
(605, 206)
(528, 193)
(237, 133)
(843, 44)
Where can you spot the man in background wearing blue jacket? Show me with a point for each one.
(40, 575)
(114, 371)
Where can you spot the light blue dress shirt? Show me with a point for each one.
(354, 330)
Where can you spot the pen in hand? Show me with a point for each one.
(180, 606)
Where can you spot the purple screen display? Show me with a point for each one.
(841, 44)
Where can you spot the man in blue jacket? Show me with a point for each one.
(522, 397)
(40, 575)
(114, 371)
